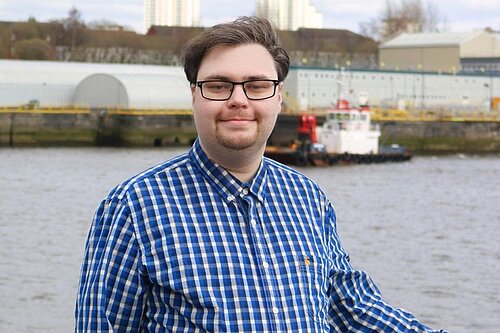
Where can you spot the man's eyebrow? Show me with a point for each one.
(258, 77)
(216, 77)
(225, 78)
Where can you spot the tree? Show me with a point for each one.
(23, 30)
(403, 16)
(32, 49)
(74, 28)
(56, 30)
(3, 49)
(104, 24)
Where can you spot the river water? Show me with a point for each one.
(427, 231)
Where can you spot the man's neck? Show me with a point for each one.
(243, 164)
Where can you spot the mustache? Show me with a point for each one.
(239, 115)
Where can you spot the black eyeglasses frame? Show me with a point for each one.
(235, 83)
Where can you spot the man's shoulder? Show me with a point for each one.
(288, 175)
(296, 187)
(166, 169)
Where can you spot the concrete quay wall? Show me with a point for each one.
(94, 128)
(443, 137)
(102, 128)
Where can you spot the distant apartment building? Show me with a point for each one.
(184, 13)
(290, 14)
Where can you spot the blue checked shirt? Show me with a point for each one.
(185, 247)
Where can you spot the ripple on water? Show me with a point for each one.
(427, 231)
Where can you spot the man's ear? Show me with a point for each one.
(193, 91)
(280, 93)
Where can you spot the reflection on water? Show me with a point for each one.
(427, 231)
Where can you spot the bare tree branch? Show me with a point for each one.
(402, 16)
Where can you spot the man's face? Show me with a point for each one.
(237, 123)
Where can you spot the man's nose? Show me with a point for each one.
(238, 96)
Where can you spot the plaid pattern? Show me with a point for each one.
(185, 247)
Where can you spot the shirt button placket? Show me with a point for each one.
(263, 258)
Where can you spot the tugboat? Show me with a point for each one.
(346, 136)
(348, 130)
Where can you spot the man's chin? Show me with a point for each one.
(237, 143)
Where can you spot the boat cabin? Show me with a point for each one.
(349, 130)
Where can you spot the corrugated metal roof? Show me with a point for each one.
(132, 91)
(53, 83)
(430, 39)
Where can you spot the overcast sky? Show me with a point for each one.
(456, 15)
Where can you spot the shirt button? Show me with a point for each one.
(245, 191)
(276, 310)
(230, 197)
(266, 265)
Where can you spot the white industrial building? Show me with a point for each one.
(71, 84)
(64, 84)
(309, 88)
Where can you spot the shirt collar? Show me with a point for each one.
(223, 182)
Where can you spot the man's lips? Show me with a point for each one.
(236, 120)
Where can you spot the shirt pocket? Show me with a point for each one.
(315, 286)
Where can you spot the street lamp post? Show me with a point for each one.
(422, 87)
(487, 102)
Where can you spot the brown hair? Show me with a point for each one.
(244, 30)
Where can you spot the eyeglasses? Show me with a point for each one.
(219, 90)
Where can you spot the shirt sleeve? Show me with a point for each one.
(111, 291)
(356, 304)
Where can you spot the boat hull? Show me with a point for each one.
(298, 158)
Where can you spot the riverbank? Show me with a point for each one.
(105, 128)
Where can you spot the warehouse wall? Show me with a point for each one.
(435, 59)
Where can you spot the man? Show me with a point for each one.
(220, 238)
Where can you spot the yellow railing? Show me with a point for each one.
(25, 109)
(74, 110)
(153, 112)
(377, 114)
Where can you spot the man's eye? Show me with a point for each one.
(257, 85)
(216, 86)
